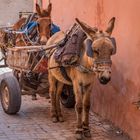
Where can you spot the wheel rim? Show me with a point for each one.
(5, 97)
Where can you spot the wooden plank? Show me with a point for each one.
(18, 68)
(17, 48)
(44, 47)
(18, 57)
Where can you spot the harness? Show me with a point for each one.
(84, 69)
(64, 73)
(90, 53)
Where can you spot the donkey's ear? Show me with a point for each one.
(49, 8)
(38, 10)
(87, 29)
(110, 26)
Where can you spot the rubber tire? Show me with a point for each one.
(67, 97)
(14, 94)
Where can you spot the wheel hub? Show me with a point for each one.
(5, 95)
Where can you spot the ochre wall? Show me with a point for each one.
(115, 100)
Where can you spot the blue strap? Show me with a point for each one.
(29, 27)
(54, 29)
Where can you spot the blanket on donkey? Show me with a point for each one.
(68, 51)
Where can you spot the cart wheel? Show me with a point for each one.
(10, 95)
(67, 96)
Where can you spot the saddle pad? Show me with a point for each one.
(68, 51)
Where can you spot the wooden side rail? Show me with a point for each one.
(43, 47)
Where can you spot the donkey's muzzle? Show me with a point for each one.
(43, 40)
(104, 73)
(104, 80)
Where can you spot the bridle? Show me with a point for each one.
(26, 37)
(44, 18)
(95, 67)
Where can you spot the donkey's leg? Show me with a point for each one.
(52, 91)
(86, 108)
(78, 108)
(59, 91)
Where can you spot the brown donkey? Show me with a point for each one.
(43, 25)
(97, 63)
(43, 29)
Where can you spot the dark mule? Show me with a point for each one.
(96, 64)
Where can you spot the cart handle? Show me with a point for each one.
(43, 47)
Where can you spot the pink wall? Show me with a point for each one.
(114, 101)
(44, 2)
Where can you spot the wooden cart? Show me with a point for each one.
(29, 65)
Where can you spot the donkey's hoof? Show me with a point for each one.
(87, 133)
(34, 97)
(54, 119)
(60, 119)
(79, 136)
(47, 96)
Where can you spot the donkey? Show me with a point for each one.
(43, 25)
(97, 64)
(42, 28)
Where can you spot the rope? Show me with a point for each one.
(30, 41)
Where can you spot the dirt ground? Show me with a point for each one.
(33, 122)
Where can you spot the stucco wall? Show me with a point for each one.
(9, 10)
(115, 100)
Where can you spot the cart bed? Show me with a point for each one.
(28, 58)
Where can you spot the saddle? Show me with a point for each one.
(68, 50)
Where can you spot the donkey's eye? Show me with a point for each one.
(50, 25)
(96, 52)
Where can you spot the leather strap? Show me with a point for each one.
(64, 73)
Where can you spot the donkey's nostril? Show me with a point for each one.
(66, 62)
(104, 80)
